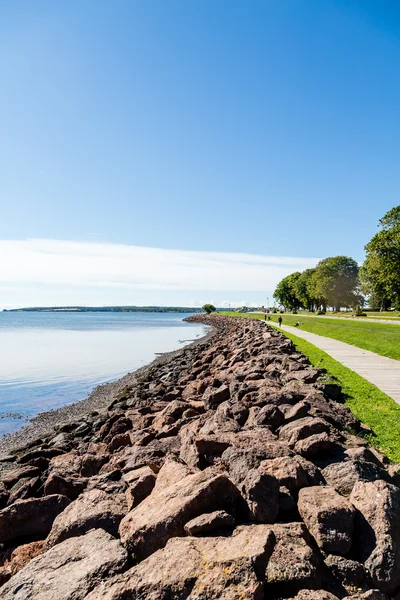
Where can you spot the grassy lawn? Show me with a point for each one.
(388, 315)
(367, 403)
(382, 338)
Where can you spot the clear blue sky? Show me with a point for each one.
(265, 127)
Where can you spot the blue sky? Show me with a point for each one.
(265, 134)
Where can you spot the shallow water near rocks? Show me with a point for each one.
(51, 359)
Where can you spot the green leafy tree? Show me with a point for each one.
(336, 282)
(304, 289)
(285, 292)
(208, 308)
(380, 273)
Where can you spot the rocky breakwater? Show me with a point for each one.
(232, 471)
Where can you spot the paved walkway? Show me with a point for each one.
(381, 371)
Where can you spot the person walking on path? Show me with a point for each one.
(280, 320)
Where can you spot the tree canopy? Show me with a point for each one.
(380, 273)
(285, 292)
(208, 308)
(333, 282)
(336, 281)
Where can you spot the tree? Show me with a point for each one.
(336, 282)
(380, 273)
(208, 308)
(304, 289)
(285, 292)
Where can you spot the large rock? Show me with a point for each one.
(314, 595)
(287, 470)
(329, 518)
(314, 446)
(343, 475)
(302, 428)
(69, 570)
(165, 512)
(30, 517)
(347, 571)
(261, 491)
(67, 486)
(140, 484)
(212, 397)
(198, 568)
(11, 477)
(239, 461)
(378, 531)
(92, 510)
(215, 521)
(293, 565)
(22, 555)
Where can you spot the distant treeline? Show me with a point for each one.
(152, 309)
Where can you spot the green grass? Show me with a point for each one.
(366, 402)
(382, 338)
(388, 315)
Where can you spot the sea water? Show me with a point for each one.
(51, 359)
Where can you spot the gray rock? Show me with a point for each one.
(69, 570)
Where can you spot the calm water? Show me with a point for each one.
(48, 360)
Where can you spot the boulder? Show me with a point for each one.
(378, 531)
(67, 486)
(4, 494)
(298, 411)
(261, 491)
(238, 461)
(344, 475)
(293, 565)
(212, 397)
(121, 440)
(267, 415)
(94, 509)
(302, 428)
(226, 568)
(349, 572)
(23, 554)
(287, 470)
(140, 486)
(10, 478)
(314, 446)
(328, 517)
(69, 570)
(314, 595)
(30, 517)
(165, 512)
(210, 522)
(24, 488)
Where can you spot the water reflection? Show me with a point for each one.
(49, 360)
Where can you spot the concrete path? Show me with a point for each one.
(381, 371)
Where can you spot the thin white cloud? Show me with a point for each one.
(103, 266)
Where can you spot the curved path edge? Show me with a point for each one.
(381, 371)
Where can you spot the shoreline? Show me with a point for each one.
(44, 423)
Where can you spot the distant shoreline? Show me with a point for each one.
(144, 309)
